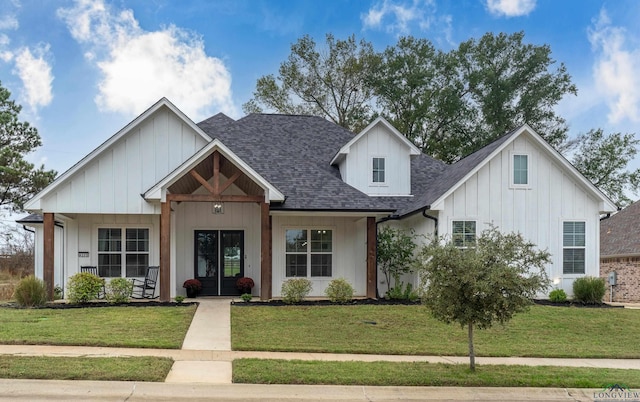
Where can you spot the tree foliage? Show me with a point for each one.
(395, 254)
(328, 83)
(603, 159)
(479, 287)
(19, 179)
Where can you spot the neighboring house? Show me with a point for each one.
(273, 197)
(620, 253)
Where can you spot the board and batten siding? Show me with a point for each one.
(356, 168)
(349, 258)
(537, 211)
(113, 181)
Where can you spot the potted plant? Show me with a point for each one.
(193, 286)
(244, 285)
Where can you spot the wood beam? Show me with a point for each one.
(371, 258)
(214, 198)
(202, 181)
(229, 182)
(265, 252)
(165, 251)
(48, 253)
(216, 172)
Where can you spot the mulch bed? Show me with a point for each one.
(61, 306)
(570, 303)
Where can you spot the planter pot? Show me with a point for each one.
(192, 293)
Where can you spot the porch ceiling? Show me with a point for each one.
(187, 184)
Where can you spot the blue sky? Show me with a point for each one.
(84, 69)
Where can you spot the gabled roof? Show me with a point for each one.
(458, 173)
(158, 191)
(619, 234)
(344, 151)
(34, 203)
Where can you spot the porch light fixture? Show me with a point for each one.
(218, 208)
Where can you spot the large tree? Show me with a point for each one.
(483, 285)
(19, 179)
(603, 159)
(452, 104)
(325, 82)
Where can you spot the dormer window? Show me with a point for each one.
(378, 171)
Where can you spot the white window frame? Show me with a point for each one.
(512, 172)
(123, 253)
(308, 253)
(465, 220)
(384, 171)
(574, 247)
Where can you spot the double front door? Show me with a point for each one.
(219, 260)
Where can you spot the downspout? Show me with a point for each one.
(435, 220)
(605, 217)
(385, 219)
(28, 230)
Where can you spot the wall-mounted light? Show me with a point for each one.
(218, 208)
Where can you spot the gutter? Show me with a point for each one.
(435, 220)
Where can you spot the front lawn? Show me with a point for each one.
(544, 331)
(86, 368)
(256, 371)
(161, 327)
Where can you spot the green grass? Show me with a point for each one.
(86, 368)
(259, 371)
(542, 332)
(137, 327)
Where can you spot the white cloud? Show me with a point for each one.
(139, 67)
(8, 22)
(511, 8)
(399, 16)
(35, 73)
(616, 69)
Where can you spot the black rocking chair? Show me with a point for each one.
(146, 289)
(94, 271)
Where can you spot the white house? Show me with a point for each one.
(277, 196)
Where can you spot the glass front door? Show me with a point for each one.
(219, 260)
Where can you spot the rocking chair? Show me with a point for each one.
(94, 271)
(146, 289)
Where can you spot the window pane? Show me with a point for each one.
(296, 240)
(321, 241)
(137, 240)
(109, 239)
(464, 233)
(574, 234)
(520, 169)
(378, 170)
(321, 265)
(110, 265)
(137, 265)
(573, 261)
(296, 265)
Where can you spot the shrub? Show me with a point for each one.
(84, 286)
(589, 290)
(558, 296)
(295, 290)
(119, 290)
(30, 291)
(246, 297)
(339, 291)
(179, 299)
(401, 292)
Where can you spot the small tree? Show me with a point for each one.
(395, 254)
(481, 286)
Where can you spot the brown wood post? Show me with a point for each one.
(265, 252)
(165, 251)
(48, 251)
(372, 240)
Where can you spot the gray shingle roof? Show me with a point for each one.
(293, 153)
(619, 233)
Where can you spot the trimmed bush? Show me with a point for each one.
(295, 290)
(589, 290)
(83, 287)
(30, 292)
(558, 296)
(179, 299)
(119, 290)
(339, 291)
(246, 297)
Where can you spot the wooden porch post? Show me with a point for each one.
(265, 252)
(48, 251)
(372, 239)
(165, 251)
